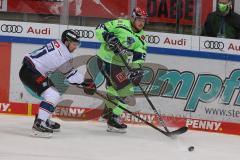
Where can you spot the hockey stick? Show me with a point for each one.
(104, 7)
(149, 101)
(169, 134)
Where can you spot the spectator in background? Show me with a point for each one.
(223, 23)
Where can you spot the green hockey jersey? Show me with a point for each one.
(135, 42)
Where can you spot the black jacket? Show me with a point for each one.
(226, 26)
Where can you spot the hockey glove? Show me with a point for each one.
(136, 75)
(114, 43)
(89, 86)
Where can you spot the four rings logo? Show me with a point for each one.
(11, 28)
(214, 45)
(85, 33)
(152, 39)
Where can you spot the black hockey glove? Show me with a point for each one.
(114, 43)
(89, 86)
(136, 75)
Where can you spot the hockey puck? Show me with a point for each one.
(190, 149)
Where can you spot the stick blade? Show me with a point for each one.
(178, 131)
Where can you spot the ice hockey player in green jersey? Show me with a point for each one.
(117, 37)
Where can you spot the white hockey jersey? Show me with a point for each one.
(55, 56)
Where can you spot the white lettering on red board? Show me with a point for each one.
(4, 106)
(69, 112)
(203, 124)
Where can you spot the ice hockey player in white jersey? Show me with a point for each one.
(54, 56)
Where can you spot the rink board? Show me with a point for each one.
(201, 83)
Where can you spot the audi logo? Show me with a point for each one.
(85, 33)
(214, 45)
(152, 39)
(11, 28)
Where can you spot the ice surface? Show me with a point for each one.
(90, 141)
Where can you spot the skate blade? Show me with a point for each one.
(56, 130)
(36, 133)
(115, 130)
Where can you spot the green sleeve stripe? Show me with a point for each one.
(136, 65)
(140, 61)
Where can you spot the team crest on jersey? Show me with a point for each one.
(130, 41)
(143, 37)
